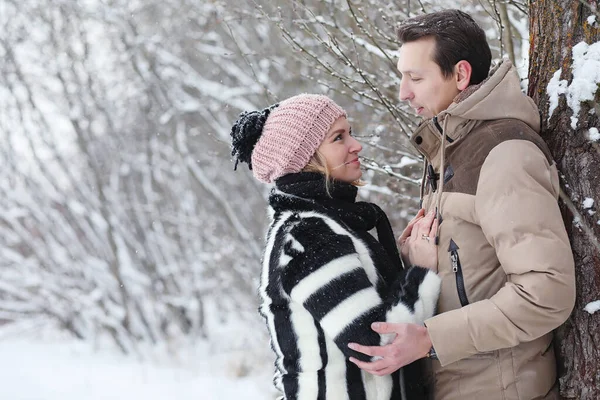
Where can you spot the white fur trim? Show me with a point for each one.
(399, 313)
(266, 300)
(377, 387)
(322, 276)
(361, 248)
(335, 373)
(284, 259)
(429, 291)
(336, 320)
(308, 345)
(295, 244)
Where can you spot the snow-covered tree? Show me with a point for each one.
(119, 210)
(564, 80)
(351, 48)
(117, 216)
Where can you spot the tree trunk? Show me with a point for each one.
(556, 26)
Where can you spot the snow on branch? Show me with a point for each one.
(386, 169)
(584, 85)
(592, 307)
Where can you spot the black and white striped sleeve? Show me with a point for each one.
(331, 274)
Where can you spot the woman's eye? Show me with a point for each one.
(415, 79)
(338, 137)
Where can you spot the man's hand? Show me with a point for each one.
(412, 342)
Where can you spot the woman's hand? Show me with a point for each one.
(417, 242)
(406, 234)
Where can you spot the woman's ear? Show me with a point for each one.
(463, 71)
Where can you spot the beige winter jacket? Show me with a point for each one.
(504, 257)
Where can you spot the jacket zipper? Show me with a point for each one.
(457, 269)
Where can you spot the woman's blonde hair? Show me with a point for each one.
(318, 163)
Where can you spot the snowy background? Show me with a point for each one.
(129, 249)
(69, 370)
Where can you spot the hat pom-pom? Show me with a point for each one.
(245, 133)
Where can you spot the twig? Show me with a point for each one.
(586, 229)
(386, 169)
(397, 152)
(592, 7)
(363, 30)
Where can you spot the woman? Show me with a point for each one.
(325, 279)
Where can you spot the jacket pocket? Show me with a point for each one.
(458, 274)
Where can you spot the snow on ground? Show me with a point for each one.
(65, 369)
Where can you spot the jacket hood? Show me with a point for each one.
(498, 97)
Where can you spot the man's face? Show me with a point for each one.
(427, 91)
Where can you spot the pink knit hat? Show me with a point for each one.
(291, 135)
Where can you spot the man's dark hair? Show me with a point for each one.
(457, 37)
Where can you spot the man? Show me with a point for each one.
(502, 250)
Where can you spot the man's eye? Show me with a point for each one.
(415, 79)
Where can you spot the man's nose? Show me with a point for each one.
(405, 92)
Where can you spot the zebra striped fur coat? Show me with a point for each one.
(325, 279)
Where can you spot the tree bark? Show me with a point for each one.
(556, 26)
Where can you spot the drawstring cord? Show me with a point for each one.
(425, 177)
(438, 207)
(423, 182)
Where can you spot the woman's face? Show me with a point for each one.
(340, 150)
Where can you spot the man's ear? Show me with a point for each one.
(463, 71)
